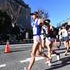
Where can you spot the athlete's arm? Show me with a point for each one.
(40, 22)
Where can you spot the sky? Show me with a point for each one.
(58, 10)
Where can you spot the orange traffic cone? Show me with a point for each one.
(7, 48)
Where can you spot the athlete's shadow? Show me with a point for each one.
(64, 62)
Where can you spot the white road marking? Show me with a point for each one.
(2, 65)
(25, 68)
(28, 59)
(36, 59)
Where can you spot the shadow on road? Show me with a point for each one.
(64, 62)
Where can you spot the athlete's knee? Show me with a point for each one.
(32, 54)
(43, 46)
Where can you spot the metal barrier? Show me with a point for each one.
(28, 41)
(24, 41)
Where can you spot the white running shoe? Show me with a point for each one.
(48, 63)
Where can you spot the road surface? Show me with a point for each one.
(19, 57)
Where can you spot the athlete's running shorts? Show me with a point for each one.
(64, 38)
(37, 39)
(51, 39)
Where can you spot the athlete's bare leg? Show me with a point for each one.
(33, 53)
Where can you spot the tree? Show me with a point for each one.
(43, 14)
(5, 22)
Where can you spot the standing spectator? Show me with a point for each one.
(64, 38)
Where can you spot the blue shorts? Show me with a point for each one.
(64, 38)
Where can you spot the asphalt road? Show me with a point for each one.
(19, 57)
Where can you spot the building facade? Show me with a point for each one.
(18, 11)
(19, 16)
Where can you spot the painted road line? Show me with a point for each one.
(25, 68)
(28, 59)
(36, 59)
(2, 65)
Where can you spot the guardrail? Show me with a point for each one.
(28, 40)
(24, 41)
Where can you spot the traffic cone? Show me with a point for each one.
(7, 48)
